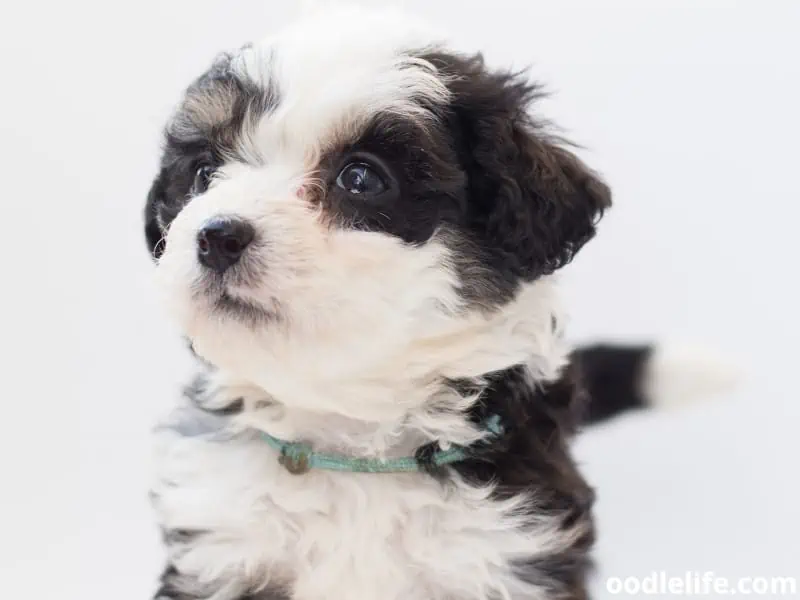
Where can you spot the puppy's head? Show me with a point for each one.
(333, 202)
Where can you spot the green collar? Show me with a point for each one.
(299, 458)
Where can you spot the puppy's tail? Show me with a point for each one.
(620, 378)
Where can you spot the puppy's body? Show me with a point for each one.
(357, 232)
(512, 522)
(244, 522)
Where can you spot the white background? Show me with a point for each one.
(690, 108)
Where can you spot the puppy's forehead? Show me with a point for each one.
(319, 83)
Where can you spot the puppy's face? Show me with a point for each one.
(331, 200)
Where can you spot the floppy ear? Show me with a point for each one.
(541, 202)
(533, 203)
(152, 230)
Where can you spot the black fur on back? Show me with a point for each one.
(532, 456)
(533, 453)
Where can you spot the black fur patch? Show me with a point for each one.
(216, 109)
(613, 375)
(530, 203)
(532, 456)
(426, 186)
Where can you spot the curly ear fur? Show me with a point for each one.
(533, 204)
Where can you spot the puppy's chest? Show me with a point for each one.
(233, 514)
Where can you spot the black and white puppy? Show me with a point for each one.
(357, 230)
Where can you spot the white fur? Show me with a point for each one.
(335, 70)
(679, 374)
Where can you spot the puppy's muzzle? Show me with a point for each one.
(222, 241)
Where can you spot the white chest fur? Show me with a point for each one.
(241, 521)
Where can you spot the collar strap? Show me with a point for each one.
(299, 458)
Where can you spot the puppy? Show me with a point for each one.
(356, 228)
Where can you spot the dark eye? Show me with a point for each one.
(360, 178)
(202, 178)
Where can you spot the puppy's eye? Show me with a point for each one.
(202, 178)
(360, 178)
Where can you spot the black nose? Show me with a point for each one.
(221, 242)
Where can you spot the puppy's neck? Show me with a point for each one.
(425, 397)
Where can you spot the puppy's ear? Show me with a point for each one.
(533, 203)
(152, 230)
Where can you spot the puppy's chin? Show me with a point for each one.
(197, 298)
(243, 309)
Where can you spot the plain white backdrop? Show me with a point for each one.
(690, 109)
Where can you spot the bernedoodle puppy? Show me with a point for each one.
(357, 229)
